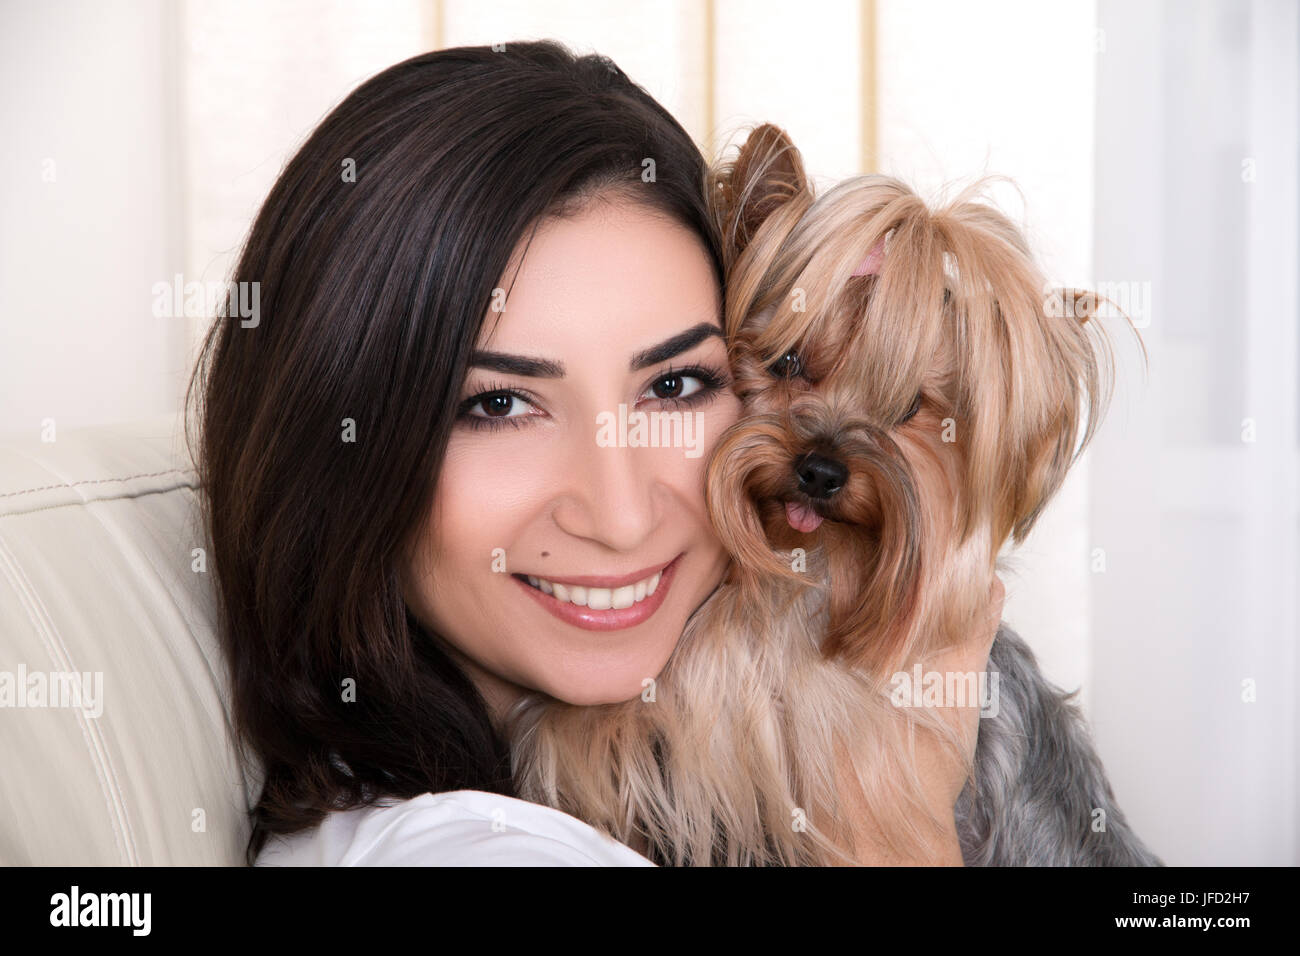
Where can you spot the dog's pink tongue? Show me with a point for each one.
(801, 517)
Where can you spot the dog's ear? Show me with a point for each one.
(765, 176)
(1034, 371)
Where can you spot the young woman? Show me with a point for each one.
(475, 259)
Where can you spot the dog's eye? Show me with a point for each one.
(787, 366)
(916, 407)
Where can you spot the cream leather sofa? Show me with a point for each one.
(98, 589)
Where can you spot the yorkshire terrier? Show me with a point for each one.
(914, 395)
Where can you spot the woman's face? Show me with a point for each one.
(555, 514)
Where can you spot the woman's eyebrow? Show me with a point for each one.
(516, 364)
(545, 368)
(675, 346)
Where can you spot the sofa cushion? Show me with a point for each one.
(114, 717)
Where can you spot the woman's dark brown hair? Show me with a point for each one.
(372, 290)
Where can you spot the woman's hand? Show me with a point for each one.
(946, 776)
(943, 773)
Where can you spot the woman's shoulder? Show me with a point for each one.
(457, 828)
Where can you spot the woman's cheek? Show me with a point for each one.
(492, 487)
(721, 414)
(478, 475)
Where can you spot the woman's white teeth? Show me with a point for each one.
(599, 599)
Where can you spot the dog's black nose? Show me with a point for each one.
(819, 476)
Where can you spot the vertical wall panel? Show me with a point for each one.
(800, 72)
(86, 215)
(257, 78)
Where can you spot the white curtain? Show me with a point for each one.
(1194, 490)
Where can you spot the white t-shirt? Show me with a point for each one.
(458, 828)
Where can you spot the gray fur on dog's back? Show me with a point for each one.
(1038, 779)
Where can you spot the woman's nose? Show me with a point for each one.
(611, 494)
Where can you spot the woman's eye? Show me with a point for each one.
(916, 407)
(787, 366)
(497, 405)
(676, 386)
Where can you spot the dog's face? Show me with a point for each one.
(904, 414)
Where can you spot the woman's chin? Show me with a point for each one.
(605, 689)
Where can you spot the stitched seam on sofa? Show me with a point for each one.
(99, 481)
(192, 486)
(39, 616)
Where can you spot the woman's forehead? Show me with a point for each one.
(612, 276)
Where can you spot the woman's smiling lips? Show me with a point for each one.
(621, 601)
